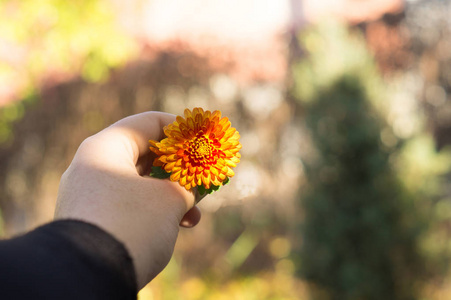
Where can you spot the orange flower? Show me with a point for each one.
(200, 149)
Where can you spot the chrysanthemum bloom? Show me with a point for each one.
(200, 149)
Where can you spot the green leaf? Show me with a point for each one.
(201, 190)
(213, 188)
(226, 181)
(159, 172)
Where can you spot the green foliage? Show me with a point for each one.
(332, 51)
(8, 115)
(361, 228)
(70, 36)
(360, 241)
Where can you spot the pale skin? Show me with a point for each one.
(106, 185)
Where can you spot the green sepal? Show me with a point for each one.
(213, 188)
(201, 189)
(226, 181)
(159, 172)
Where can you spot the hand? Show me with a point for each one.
(106, 185)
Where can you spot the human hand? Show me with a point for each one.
(105, 186)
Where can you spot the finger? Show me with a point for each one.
(144, 164)
(119, 147)
(191, 218)
(139, 129)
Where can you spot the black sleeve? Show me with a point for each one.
(66, 259)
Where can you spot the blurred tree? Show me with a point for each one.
(359, 241)
(361, 230)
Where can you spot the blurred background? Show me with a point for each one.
(344, 110)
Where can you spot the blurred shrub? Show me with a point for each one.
(360, 241)
(361, 230)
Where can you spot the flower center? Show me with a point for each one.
(202, 151)
(201, 148)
